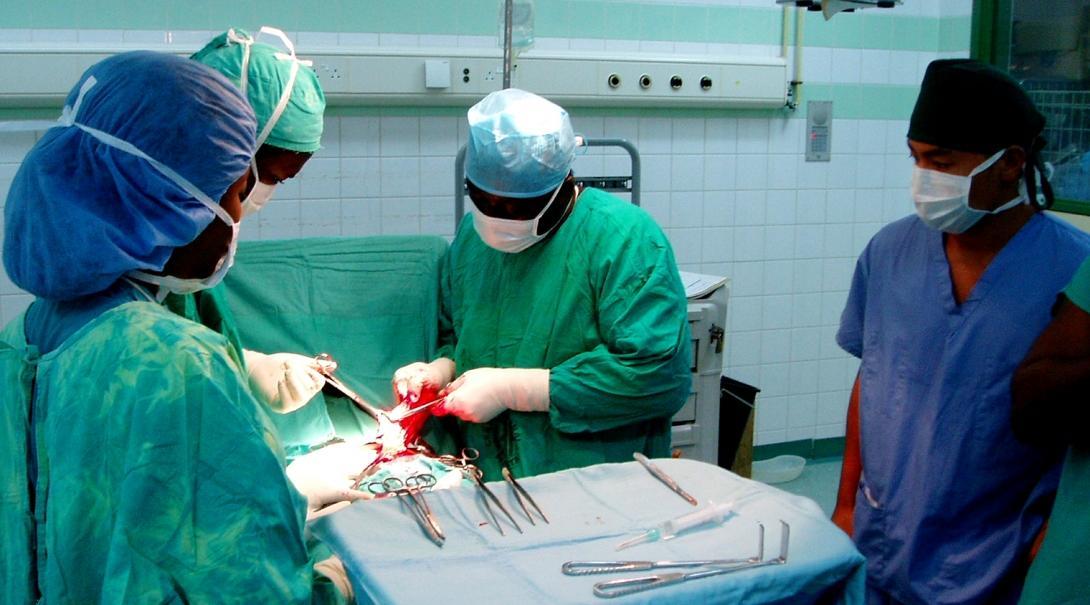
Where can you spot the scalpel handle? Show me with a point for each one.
(662, 476)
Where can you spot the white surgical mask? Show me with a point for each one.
(942, 199)
(259, 195)
(509, 235)
(184, 285)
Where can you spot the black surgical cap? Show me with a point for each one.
(970, 106)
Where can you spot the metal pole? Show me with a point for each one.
(507, 8)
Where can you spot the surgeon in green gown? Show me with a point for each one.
(137, 465)
(565, 339)
(289, 104)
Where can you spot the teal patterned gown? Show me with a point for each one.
(136, 467)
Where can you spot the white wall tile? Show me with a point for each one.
(771, 413)
(718, 244)
(360, 177)
(775, 379)
(776, 344)
(321, 178)
(744, 347)
(753, 135)
(399, 136)
(779, 242)
(779, 276)
(745, 314)
(810, 206)
(749, 243)
(687, 245)
(809, 241)
(840, 206)
(874, 66)
(400, 176)
(783, 171)
(720, 135)
(655, 171)
(748, 279)
(686, 209)
(655, 136)
(687, 172)
(808, 274)
(439, 136)
(847, 65)
(688, 135)
(752, 171)
(750, 207)
(804, 377)
(719, 208)
(719, 172)
(845, 136)
(807, 310)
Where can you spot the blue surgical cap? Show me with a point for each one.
(520, 145)
(81, 213)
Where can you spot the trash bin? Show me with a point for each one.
(736, 403)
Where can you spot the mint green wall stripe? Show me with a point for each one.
(874, 29)
(954, 34)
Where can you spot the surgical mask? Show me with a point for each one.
(509, 235)
(259, 195)
(182, 285)
(942, 199)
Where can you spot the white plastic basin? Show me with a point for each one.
(779, 469)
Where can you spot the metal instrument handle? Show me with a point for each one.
(627, 586)
(586, 568)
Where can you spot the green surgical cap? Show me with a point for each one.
(970, 106)
(299, 127)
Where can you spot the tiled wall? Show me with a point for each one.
(731, 188)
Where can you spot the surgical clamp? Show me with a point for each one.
(422, 513)
(520, 495)
(617, 588)
(464, 462)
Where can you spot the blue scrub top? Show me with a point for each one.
(950, 501)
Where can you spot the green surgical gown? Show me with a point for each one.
(601, 305)
(153, 475)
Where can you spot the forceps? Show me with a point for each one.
(520, 494)
(393, 485)
(419, 506)
(617, 588)
(464, 462)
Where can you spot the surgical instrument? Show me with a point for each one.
(392, 485)
(662, 476)
(476, 476)
(423, 515)
(326, 366)
(464, 462)
(414, 411)
(520, 494)
(712, 513)
(616, 588)
(586, 568)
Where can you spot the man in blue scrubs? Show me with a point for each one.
(938, 494)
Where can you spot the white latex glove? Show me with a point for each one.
(333, 569)
(411, 379)
(325, 476)
(285, 381)
(482, 394)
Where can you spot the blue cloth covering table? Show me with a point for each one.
(591, 510)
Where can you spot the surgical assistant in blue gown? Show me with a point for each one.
(949, 501)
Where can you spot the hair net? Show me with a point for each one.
(969, 106)
(269, 71)
(520, 145)
(81, 213)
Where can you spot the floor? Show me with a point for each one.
(818, 481)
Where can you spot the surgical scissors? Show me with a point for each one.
(393, 485)
(326, 366)
(520, 494)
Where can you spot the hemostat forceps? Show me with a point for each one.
(421, 512)
(617, 588)
(464, 462)
(523, 496)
